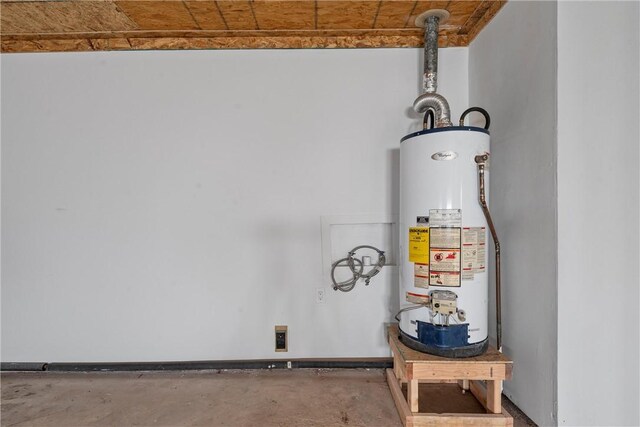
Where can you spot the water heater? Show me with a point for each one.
(444, 224)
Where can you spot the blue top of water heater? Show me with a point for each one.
(445, 129)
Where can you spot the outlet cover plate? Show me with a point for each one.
(282, 339)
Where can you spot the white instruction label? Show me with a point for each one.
(445, 238)
(473, 251)
(445, 217)
(445, 256)
(442, 278)
(445, 260)
(416, 298)
(421, 275)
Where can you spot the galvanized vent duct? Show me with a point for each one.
(431, 21)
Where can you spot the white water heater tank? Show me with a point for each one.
(444, 288)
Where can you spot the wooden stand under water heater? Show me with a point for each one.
(482, 375)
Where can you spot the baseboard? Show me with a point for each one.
(348, 363)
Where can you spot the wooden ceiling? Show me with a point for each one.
(87, 25)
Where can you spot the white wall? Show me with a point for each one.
(512, 74)
(167, 205)
(598, 139)
(587, 170)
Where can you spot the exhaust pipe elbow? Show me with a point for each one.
(438, 103)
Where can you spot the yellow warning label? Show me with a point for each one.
(419, 245)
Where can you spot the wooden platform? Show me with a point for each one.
(482, 375)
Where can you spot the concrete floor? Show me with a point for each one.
(301, 397)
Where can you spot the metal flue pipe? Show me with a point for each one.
(438, 104)
(431, 20)
(430, 78)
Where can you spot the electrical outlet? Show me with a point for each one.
(281, 338)
(320, 295)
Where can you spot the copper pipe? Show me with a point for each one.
(481, 161)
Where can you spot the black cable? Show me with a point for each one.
(429, 114)
(487, 119)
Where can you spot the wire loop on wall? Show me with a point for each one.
(375, 270)
(356, 270)
(346, 285)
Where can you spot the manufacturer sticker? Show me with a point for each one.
(445, 217)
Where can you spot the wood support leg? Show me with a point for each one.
(464, 385)
(397, 368)
(412, 395)
(494, 396)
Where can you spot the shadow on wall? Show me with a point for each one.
(393, 157)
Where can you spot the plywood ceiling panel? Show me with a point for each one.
(345, 15)
(285, 15)
(460, 12)
(206, 14)
(158, 15)
(238, 14)
(58, 16)
(474, 17)
(394, 14)
(80, 25)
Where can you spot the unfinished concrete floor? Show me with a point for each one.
(301, 397)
